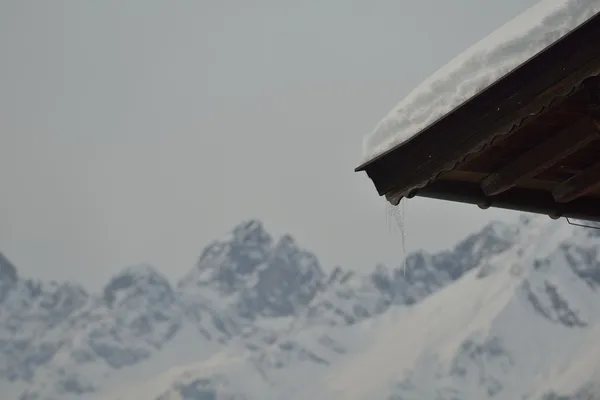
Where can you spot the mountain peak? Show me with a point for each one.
(8, 276)
(264, 278)
(251, 231)
(227, 262)
(142, 279)
(8, 272)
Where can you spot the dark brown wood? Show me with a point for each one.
(477, 177)
(531, 163)
(526, 200)
(529, 92)
(581, 184)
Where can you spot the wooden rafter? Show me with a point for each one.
(581, 184)
(513, 199)
(566, 142)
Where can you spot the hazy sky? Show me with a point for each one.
(139, 131)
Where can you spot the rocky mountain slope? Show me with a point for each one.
(512, 312)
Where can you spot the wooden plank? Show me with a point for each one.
(542, 157)
(581, 184)
(478, 177)
(518, 199)
(536, 85)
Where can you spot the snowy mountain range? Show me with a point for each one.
(512, 312)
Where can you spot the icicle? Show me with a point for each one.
(398, 212)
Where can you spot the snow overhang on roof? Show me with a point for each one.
(476, 69)
(533, 81)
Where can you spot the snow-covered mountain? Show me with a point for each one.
(512, 312)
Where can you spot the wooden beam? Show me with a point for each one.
(581, 184)
(540, 158)
(524, 200)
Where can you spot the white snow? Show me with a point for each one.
(415, 353)
(496, 332)
(477, 68)
(422, 344)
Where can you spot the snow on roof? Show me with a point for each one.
(478, 68)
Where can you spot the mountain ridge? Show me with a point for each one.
(262, 306)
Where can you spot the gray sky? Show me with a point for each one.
(139, 131)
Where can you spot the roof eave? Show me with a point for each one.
(527, 91)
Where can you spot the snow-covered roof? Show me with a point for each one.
(478, 68)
